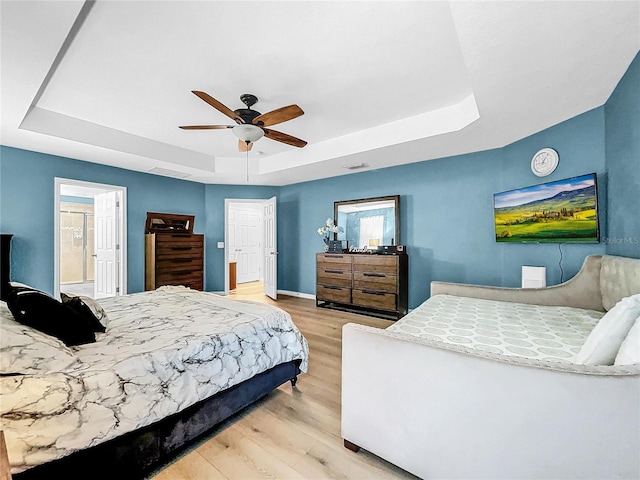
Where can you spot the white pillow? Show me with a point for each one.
(629, 353)
(603, 343)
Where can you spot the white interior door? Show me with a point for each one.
(245, 240)
(106, 244)
(270, 256)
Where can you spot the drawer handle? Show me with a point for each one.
(181, 260)
(369, 292)
(340, 272)
(334, 256)
(380, 275)
(332, 287)
(181, 248)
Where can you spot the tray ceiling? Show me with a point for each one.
(381, 83)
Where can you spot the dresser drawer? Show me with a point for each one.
(373, 299)
(333, 294)
(375, 281)
(179, 264)
(375, 263)
(333, 276)
(338, 261)
(179, 278)
(177, 240)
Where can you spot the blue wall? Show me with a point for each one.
(446, 205)
(446, 211)
(27, 201)
(622, 134)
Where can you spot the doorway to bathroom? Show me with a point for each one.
(90, 246)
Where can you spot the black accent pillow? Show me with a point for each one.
(78, 306)
(46, 314)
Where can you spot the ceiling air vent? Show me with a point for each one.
(356, 166)
(169, 173)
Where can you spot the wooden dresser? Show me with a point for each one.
(174, 255)
(375, 284)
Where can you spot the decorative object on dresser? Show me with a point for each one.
(375, 284)
(174, 255)
(5, 264)
(328, 232)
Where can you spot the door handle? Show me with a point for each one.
(95, 255)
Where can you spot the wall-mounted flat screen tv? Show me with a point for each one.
(563, 211)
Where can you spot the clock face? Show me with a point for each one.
(544, 162)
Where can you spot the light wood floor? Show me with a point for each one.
(292, 432)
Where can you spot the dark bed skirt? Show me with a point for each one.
(136, 454)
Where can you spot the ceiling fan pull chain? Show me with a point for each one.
(247, 162)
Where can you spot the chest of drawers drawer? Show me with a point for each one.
(333, 294)
(382, 282)
(375, 263)
(374, 299)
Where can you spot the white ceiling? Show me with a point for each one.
(381, 82)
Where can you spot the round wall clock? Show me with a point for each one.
(544, 162)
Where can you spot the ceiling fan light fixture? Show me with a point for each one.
(248, 133)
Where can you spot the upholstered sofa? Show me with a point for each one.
(449, 411)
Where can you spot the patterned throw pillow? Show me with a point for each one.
(96, 309)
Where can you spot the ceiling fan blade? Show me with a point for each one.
(278, 116)
(243, 147)
(218, 106)
(284, 138)
(204, 127)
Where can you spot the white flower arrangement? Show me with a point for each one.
(328, 229)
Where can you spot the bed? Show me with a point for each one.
(502, 383)
(171, 364)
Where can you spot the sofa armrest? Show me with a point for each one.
(582, 291)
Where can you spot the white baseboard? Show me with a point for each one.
(297, 294)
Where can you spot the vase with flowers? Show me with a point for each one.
(327, 232)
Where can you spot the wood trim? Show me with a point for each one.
(5, 469)
(150, 261)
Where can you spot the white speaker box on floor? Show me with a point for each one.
(534, 277)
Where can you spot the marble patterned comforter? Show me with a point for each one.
(163, 351)
(510, 329)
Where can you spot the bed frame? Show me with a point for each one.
(138, 453)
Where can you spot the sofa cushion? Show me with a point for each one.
(603, 344)
(629, 353)
(619, 278)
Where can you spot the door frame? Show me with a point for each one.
(227, 202)
(121, 229)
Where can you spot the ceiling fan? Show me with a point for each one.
(251, 124)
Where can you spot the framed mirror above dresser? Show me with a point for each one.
(368, 223)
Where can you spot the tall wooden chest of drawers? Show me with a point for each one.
(375, 284)
(174, 255)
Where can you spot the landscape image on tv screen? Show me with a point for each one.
(554, 212)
